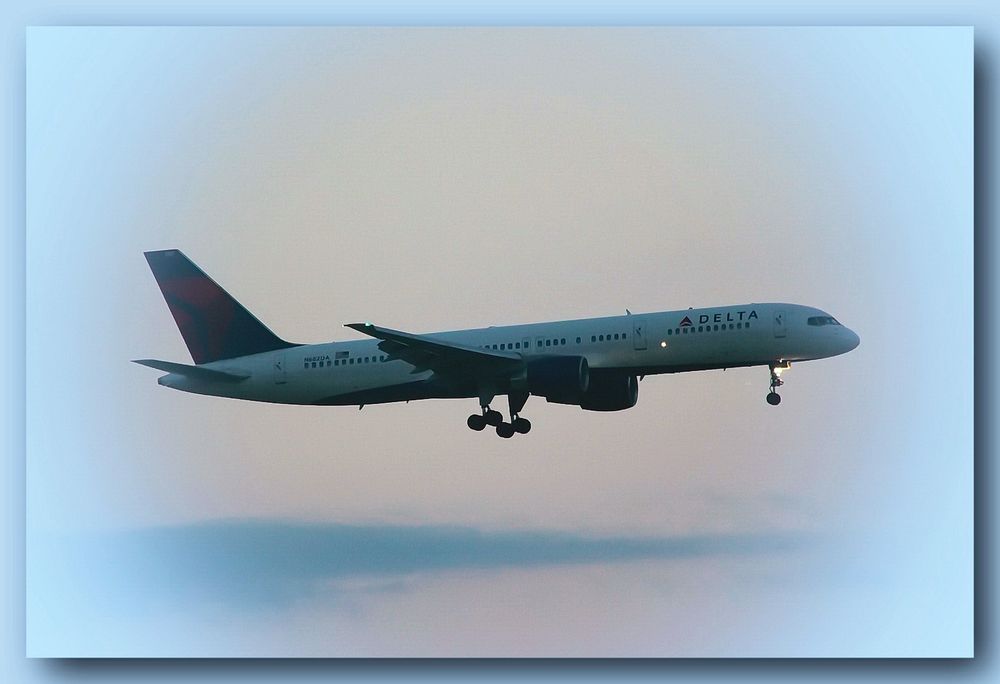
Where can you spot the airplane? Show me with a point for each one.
(593, 363)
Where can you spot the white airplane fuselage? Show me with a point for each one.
(593, 363)
(357, 372)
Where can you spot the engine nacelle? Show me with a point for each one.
(559, 377)
(610, 393)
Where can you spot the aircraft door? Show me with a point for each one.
(638, 332)
(278, 369)
(779, 324)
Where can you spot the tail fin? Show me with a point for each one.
(214, 325)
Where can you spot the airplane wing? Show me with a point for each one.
(429, 353)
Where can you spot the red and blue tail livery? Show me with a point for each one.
(213, 324)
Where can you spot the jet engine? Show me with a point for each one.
(559, 377)
(610, 393)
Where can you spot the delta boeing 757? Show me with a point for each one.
(593, 363)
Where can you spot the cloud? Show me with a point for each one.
(268, 562)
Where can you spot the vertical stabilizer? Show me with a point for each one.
(213, 324)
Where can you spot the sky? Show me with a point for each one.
(431, 179)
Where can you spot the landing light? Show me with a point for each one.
(663, 344)
(777, 371)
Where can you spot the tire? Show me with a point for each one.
(476, 422)
(522, 426)
(494, 418)
(505, 430)
(773, 398)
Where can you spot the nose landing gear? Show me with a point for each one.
(773, 398)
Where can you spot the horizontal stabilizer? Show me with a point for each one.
(194, 372)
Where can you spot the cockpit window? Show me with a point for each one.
(822, 320)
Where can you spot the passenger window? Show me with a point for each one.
(562, 341)
(593, 338)
(677, 331)
(730, 326)
(548, 343)
(502, 346)
(624, 336)
(517, 345)
(700, 329)
(739, 326)
(616, 336)
(670, 331)
(747, 325)
(578, 340)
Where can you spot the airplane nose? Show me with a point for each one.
(852, 340)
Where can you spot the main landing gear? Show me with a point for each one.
(517, 425)
(773, 398)
(488, 417)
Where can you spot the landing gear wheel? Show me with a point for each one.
(494, 418)
(522, 426)
(505, 430)
(476, 422)
(772, 397)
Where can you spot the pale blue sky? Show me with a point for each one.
(430, 179)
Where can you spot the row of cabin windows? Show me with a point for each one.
(606, 338)
(707, 328)
(554, 342)
(344, 362)
(505, 345)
